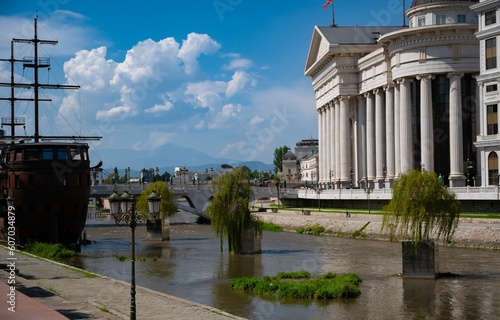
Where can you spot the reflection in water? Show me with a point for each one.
(192, 267)
(419, 297)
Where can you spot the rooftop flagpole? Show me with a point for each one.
(333, 14)
(404, 14)
(325, 6)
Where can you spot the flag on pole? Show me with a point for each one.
(326, 4)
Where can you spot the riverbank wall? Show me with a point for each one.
(470, 233)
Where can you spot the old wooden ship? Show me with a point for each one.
(44, 180)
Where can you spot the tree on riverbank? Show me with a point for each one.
(167, 206)
(229, 211)
(420, 208)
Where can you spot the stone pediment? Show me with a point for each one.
(329, 41)
(319, 46)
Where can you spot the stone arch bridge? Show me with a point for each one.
(191, 198)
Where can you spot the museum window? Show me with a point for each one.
(492, 122)
(441, 19)
(490, 17)
(491, 53)
(491, 88)
(421, 22)
(461, 18)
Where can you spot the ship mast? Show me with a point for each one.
(36, 63)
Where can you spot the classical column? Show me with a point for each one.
(320, 140)
(379, 137)
(329, 145)
(405, 139)
(480, 178)
(345, 141)
(370, 136)
(482, 113)
(389, 132)
(426, 122)
(324, 157)
(457, 178)
(331, 173)
(361, 138)
(338, 151)
(397, 148)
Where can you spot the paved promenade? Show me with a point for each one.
(43, 286)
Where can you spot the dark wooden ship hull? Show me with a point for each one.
(49, 184)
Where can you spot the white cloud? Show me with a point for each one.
(160, 108)
(116, 113)
(147, 60)
(239, 82)
(206, 94)
(193, 47)
(157, 108)
(256, 120)
(239, 63)
(90, 69)
(228, 112)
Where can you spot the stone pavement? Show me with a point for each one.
(44, 285)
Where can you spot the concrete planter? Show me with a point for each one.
(158, 230)
(251, 242)
(420, 260)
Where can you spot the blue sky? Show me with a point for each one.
(225, 77)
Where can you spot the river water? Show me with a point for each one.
(191, 266)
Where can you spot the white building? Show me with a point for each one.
(390, 99)
(309, 169)
(488, 138)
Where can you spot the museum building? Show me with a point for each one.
(391, 99)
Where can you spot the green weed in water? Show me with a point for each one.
(302, 285)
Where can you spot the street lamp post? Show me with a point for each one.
(125, 203)
(154, 201)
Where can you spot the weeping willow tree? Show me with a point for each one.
(229, 211)
(167, 206)
(421, 208)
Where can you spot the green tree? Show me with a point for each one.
(247, 172)
(278, 158)
(420, 208)
(229, 211)
(167, 206)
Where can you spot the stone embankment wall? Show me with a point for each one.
(470, 233)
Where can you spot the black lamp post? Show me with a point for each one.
(154, 201)
(124, 203)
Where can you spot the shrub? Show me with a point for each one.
(51, 251)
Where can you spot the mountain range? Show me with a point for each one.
(166, 158)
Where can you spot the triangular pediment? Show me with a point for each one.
(318, 47)
(328, 41)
